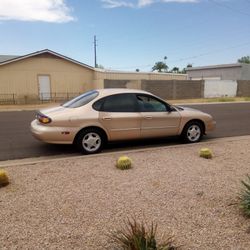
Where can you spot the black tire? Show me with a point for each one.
(90, 141)
(192, 132)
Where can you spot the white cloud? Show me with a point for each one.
(140, 3)
(117, 3)
(55, 11)
(143, 3)
(180, 1)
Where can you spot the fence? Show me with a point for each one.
(7, 99)
(36, 99)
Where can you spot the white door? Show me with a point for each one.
(44, 87)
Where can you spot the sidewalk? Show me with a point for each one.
(27, 107)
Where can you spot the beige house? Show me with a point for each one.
(47, 75)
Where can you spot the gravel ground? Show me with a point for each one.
(75, 203)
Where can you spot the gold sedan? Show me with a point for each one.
(99, 116)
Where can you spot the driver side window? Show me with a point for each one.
(150, 104)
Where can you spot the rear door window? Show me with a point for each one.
(117, 103)
(81, 100)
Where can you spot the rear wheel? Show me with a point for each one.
(192, 132)
(90, 141)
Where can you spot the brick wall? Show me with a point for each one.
(166, 89)
(175, 89)
(243, 88)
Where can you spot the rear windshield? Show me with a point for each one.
(81, 99)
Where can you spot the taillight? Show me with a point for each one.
(43, 118)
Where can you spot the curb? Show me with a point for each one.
(210, 103)
(33, 161)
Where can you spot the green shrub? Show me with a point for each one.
(206, 153)
(245, 197)
(137, 236)
(4, 180)
(124, 162)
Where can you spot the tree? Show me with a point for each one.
(137, 70)
(184, 70)
(175, 70)
(160, 66)
(99, 66)
(244, 59)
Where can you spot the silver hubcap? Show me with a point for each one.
(194, 133)
(91, 142)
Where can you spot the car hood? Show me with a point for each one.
(188, 109)
(182, 108)
(192, 111)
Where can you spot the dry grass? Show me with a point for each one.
(211, 100)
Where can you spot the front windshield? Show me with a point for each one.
(81, 99)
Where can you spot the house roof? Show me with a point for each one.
(220, 66)
(6, 59)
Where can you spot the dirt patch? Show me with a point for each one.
(73, 204)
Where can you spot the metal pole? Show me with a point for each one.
(95, 51)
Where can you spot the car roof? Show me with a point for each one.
(112, 91)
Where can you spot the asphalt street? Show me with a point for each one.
(17, 142)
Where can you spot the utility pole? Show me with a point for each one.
(95, 51)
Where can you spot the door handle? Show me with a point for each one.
(106, 118)
(148, 117)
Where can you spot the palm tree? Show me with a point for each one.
(175, 70)
(160, 66)
(244, 59)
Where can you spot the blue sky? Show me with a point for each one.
(131, 33)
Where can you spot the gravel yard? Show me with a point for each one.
(75, 203)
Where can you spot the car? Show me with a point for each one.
(103, 115)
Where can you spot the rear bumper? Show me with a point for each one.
(57, 135)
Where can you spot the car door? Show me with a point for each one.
(158, 118)
(120, 117)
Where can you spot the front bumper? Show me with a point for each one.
(49, 134)
(210, 126)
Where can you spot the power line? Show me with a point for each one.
(228, 7)
(191, 57)
(202, 42)
(211, 52)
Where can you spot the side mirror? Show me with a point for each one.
(171, 108)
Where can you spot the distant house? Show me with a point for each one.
(43, 73)
(236, 71)
(223, 80)
(49, 75)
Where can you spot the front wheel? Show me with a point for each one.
(90, 141)
(192, 132)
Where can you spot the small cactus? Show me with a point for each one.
(4, 180)
(206, 153)
(124, 162)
